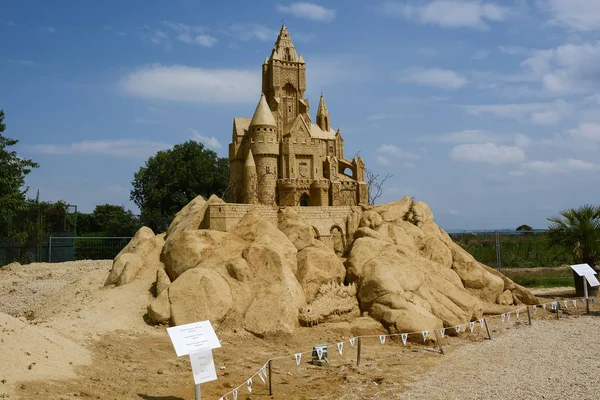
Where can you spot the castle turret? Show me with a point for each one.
(323, 119)
(264, 146)
(250, 182)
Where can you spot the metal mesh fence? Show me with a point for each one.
(62, 249)
(511, 249)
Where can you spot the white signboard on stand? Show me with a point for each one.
(583, 269)
(203, 366)
(592, 280)
(193, 338)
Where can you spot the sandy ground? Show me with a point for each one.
(68, 337)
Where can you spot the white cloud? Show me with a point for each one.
(307, 10)
(21, 62)
(155, 36)
(566, 68)
(397, 152)
(205, 40)
(487, 153)
(537, 113)
(561, 166)
(453, 212)
(48, 29)
(581, 15)
(450, 13)
(514, 50)
(587, 130)
(381, 160)
(467, 136)
(116, 148)
(480, 55)
(436, 77)
(182, 83)
(209, 141)
(247, 32)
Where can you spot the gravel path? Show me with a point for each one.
(550, 360)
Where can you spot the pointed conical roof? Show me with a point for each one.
(249, 160)
(322, 106)
(263, 114)
(284, 49)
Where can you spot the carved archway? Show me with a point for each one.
(304, 200)
(337, 240)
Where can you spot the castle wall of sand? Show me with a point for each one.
(223, 217)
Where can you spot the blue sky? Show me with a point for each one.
(487, 111)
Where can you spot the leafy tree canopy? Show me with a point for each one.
(13, 170)
(108, 220)
(524, 228)
(172, 178)
(577, 231)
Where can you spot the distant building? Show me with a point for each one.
(279, 157)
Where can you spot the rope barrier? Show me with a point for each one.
(262, 372)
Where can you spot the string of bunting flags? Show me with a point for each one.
(263, 375)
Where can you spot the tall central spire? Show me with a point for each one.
(284, 49)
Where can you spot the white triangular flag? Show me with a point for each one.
(508, 316)
(457, 328)
(443, 331)
(299, 357)
(534, 309)
(340, 347)
(472, 326)
(352, 341)
(320, 352)
(544, 306)
(584, 301)
(404, 337)
(260, 375)
(250, 385)
(553, 306)
(234, 394)
(481, 323)
(503, 316)
(566, 303)
(382, 339)
(517, 312)
(424, 333)
(575, 303)
(593, 300)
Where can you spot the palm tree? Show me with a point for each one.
(577, 230)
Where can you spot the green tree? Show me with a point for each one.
(13, 170)
(112, 221)
(172, 178)
(526, 229)
(577, 231)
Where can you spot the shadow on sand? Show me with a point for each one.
(148, 397)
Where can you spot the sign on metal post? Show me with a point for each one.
(583, 269)
(197, 340)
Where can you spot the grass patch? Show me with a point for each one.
(542, 281)
(542, 277)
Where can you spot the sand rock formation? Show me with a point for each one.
(267, 277)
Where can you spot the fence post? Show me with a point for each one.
(197, 392)
(50, 249)
(487, 329)
(270, 381)
(528, 315)
(358, 351)
(439, 341)
(557, 309)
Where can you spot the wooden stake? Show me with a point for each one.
(270, 381)
(557, 309)
(528, 315)
(487, 329)
(358, 352)
(439, 341)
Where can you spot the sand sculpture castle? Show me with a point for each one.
(279, 156)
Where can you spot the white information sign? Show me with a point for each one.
(203, 366)
(583, 269)
(193, 338)
(592, 280)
